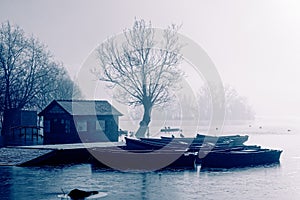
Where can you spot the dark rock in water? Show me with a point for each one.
(80, 194)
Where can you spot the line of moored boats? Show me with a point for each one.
(168, 152)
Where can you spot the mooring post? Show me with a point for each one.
(37, 134)
(25, 133)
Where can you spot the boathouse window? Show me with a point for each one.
(47, 126)
(67, 126)
(81, 126)
(100, 125)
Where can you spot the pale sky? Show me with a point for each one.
(255, 44)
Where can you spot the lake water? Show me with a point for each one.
(265, 182)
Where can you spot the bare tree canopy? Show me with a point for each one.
(57, 85)
(29, 75)
(140, 73)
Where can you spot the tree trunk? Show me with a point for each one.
(143, 129)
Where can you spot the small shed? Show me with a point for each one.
(76, 121)
(21, 128)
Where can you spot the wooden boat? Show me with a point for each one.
(142, 160)
(234, 139)
(168, 130)
(140, 144)
(193, 144)
(239, 158)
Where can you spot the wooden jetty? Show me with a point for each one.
(50, 154)
(18, 156)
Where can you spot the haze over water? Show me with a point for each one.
(253, 44)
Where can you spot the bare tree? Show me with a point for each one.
(237, 107)
(57, 86)
(66, 88)
(27, 71)
(140, 73)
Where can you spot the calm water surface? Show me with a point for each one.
(266, 182)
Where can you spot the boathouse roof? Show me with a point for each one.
(81, 107)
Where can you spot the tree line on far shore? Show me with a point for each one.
(30, 77)
(198, 106)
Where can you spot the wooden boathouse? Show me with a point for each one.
(77, 121)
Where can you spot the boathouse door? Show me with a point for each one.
(58, 126)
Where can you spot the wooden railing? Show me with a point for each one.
(33, 131)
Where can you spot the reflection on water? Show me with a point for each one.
(46, 183)
(266, 182)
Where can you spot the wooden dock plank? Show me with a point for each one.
(17, 156)
(74, 146)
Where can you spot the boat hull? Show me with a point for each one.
(190, 144)
(139, 160)
(242, 158)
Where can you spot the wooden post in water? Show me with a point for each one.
(25, 134)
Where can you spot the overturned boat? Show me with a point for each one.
(77, 194)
